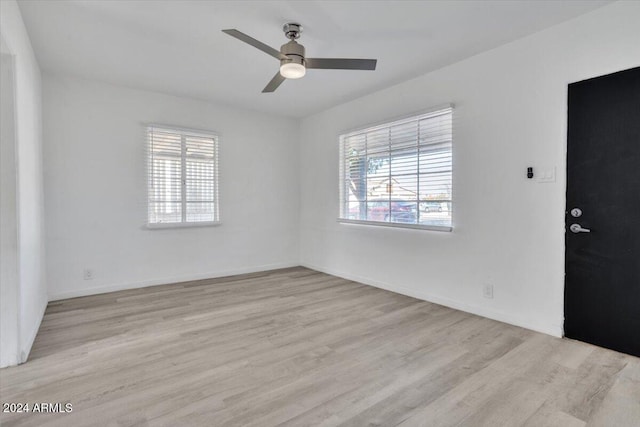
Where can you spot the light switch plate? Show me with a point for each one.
(544, 175)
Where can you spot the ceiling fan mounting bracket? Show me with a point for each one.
(292, 30)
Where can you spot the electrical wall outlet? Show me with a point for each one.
(88, 274)
(487, 291)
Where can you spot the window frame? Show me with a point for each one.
(382, 124)
(183, 132)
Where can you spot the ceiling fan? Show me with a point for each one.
(293, 63)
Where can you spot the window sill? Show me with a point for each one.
(397, 225)
(166, 225)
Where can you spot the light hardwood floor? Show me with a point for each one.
(296, 347)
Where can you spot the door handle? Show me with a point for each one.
(577, 228)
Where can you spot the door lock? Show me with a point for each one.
(576, 212)
(577, 228)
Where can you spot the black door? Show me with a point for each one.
(602, 283)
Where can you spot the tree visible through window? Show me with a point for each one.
(399, 172)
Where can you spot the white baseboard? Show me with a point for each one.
(26, 348)
(167, 280)
(501, 316)
(545, 328)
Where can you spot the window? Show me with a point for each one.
(399, 173)
(183, 177)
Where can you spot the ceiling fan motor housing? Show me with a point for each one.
(294, 51)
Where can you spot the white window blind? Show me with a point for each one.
(183, 177)
(399, 173)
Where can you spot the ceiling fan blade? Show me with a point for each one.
(255, 43)
(274, 83)
(341, 63)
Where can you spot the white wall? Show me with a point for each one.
(96, 190)
(9, 292)
(509, 231)
(30, 251)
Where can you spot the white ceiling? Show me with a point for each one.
(176, 47)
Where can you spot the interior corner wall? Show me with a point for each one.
(95, 188)
(9, 342)
(30, 284)
(510, 113)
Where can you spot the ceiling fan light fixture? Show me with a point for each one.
(292, 70)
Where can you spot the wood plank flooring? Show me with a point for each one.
(296, 347)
